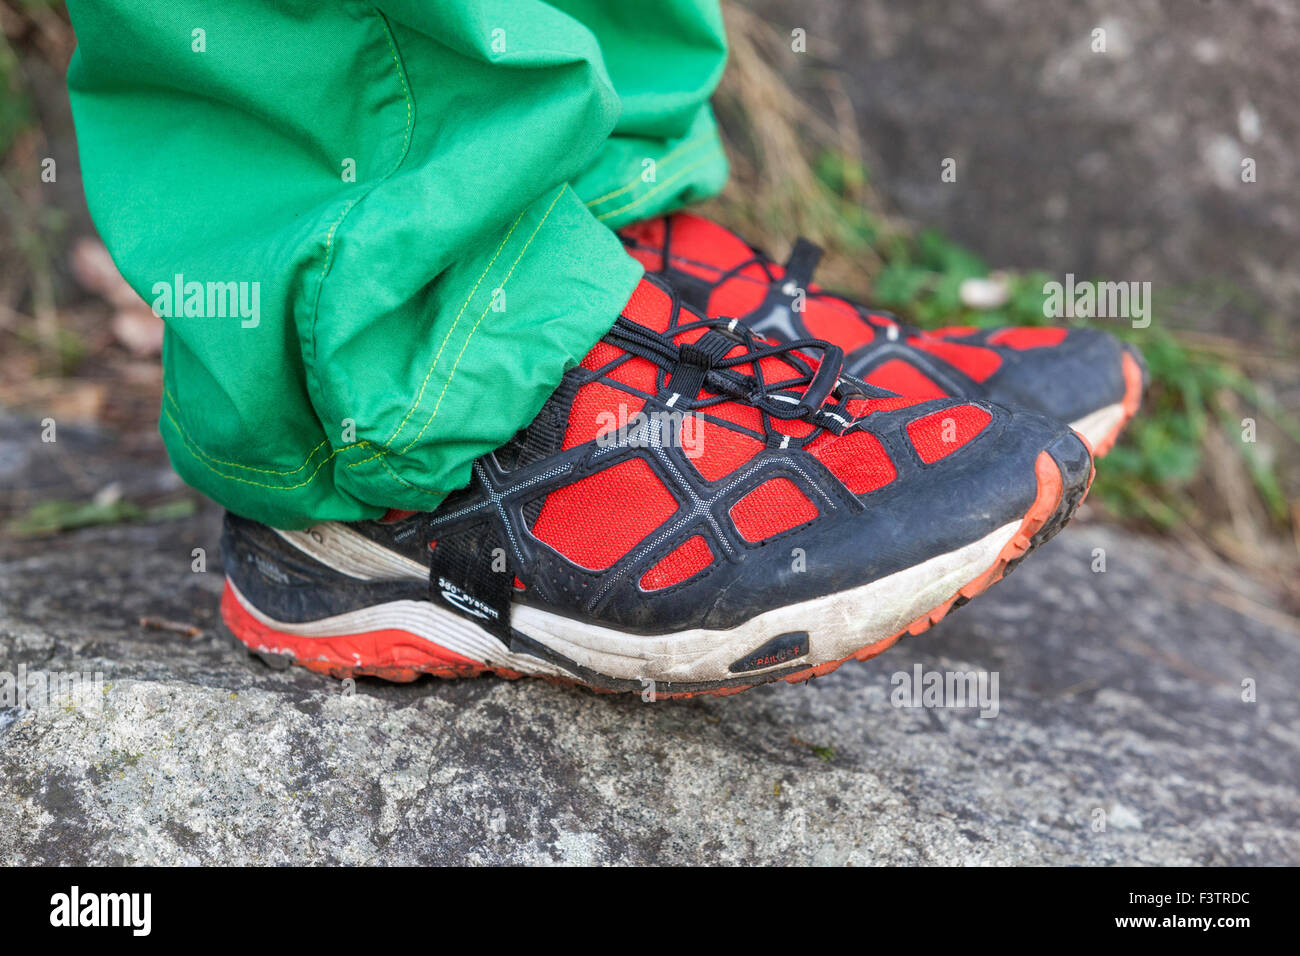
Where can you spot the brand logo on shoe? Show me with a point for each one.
(270, 570)
(470, 605)
(779, 650)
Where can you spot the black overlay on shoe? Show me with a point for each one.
(470, 574)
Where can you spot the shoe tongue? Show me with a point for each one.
(704, 248)
(701, 248)
(651, 307)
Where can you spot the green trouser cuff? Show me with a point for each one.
(379, 232)
(636, 178)
(410, 415)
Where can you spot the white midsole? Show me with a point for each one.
(1099, 425)
(837, 625)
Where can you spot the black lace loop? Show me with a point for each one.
(813, 391)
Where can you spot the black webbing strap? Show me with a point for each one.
(802, 263)
(470, 574)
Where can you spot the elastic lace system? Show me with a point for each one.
(816, 392)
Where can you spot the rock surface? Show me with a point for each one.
(1123, 163)
(1120, 704)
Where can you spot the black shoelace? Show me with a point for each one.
(817, 392)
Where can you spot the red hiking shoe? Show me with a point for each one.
(1085, 378)
(694, 510)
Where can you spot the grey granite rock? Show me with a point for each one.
(1117, 164)
(1120, 703)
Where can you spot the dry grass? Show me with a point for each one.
(775, 141)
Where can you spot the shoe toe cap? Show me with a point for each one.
(930, 510)
(1066, 381)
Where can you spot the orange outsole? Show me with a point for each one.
(401, 661)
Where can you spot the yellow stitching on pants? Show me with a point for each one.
(401, 157)
(662, 186)
(384, 451)
(465, 345)
(234, 464)
(398, 478)
(420, 395)
(199, 455)
(406, 91)
(673, 154)
(202, 457)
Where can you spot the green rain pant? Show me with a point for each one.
(379, 233)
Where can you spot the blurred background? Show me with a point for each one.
(1122, 164)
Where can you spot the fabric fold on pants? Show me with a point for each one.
(379, 234)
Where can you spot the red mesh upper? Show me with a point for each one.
(1028, 338)
(746, 416)
(721, 450)
(737, 297)
(705, 249)
(639, 373)
(862, 407)
(857, 459)
(979, 363)
(601, 354)
(898, 376)
(649, 306)
(598, 409)
(598, 519)
(774, 506)
(943, 432)
(649, 237)
(836, 321)
(689, 558)
(794, 427)
(699, 247)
